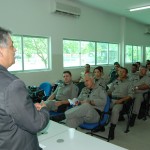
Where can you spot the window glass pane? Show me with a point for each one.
(113, 53)
(18, 55)
(135, 57)
(71, 53)
(139, 54)
(87, 53)
(102, 53)
(35, 53)
(147, 53)
(79, 53)
(128, 54)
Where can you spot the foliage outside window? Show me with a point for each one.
(79, 53)
(133, 54)
(147, 53)
(31, 53)
(107, 53)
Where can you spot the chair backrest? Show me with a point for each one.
(106, 113)
(104, 118)
(47, 87)
(80, 85)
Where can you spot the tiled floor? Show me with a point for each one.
(137, 139)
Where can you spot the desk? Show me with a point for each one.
(51, 130)
(66, 138)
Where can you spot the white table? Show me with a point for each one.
(51, 130)
(70, 139)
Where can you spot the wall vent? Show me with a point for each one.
(62, 8)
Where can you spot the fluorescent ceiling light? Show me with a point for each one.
(140, 8)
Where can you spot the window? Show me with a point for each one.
(79, 53)
(87, 53)
(147, 53)
(31, 53)
(133, 54)
(107, 53)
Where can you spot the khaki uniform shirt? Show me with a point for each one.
(131, 76)
(97, 95)
(66, 91)
(101, 82)
(121, 88)
(139, 81)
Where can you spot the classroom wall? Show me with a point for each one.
(34, 17)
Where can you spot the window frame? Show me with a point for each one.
(95, 53)
(22, 53)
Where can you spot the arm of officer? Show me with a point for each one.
(101, 98)
(129, 96)
(122, 100)
(52, 96)
(143, 87)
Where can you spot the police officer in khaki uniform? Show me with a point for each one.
(92, 100)
(99, 80)
(120, 91)
(64, 91)
(141, 84)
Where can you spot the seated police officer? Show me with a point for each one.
(114, 72)
(120, 91)
(99, 80)
(141, 84)
(64, 91)
(90, 104)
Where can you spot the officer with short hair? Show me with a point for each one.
(65, 90)
(141, 84)
(120, 91)
(92, 100)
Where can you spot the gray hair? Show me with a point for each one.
(91, 75)
(4, 34)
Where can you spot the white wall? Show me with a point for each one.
(34, 17)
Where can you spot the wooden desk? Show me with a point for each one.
(60, 137)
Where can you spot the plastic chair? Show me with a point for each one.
(47, 87)
(145, 106)
(80, 85)
(104, 120)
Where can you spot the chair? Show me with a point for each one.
(80, 85)
(127, 109)
(145, 106)
(104, 120)
(47, 87)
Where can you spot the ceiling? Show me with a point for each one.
(121, 7)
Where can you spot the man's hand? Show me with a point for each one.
(58, 103)
(39, 106)
(85, 101)
(117, 101)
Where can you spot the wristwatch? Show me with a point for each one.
(136, 87)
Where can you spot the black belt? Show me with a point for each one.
(116, 97)
(99, 112)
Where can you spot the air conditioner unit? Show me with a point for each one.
(62, 8)
(147, 30)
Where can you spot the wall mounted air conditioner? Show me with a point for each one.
(147, 30)
(62, 8)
